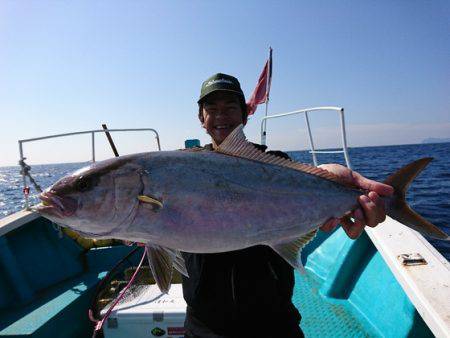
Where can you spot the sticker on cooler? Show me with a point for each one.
(175, 330)
(158, 332)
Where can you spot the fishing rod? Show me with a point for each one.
(111, 142)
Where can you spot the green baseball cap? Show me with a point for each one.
(221, 82)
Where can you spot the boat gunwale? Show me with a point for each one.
(16, 220)
(427, 286)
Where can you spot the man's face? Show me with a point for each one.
(221, 114)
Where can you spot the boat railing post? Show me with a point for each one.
(157, 140)
(263, 130)
(93, 146)
(263, 136)
(313, 150)
(311, 142)
(344, 139)
(24, 177)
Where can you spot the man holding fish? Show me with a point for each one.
(248, 292)
(241, 216)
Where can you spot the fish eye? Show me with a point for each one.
(83, 184)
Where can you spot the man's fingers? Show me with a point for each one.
(381, 212)
(371, 185)
(359, 215)
(373, 208)
(330, 225)
(370, 210)
(352, 229)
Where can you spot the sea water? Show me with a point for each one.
(429, 194)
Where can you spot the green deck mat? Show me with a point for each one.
(322, 317)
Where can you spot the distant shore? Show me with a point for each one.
(435, 140)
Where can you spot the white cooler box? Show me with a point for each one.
(148, 314)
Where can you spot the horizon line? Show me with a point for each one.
(306, 149)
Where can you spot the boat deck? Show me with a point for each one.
(48, 282)
(320, 316)
(349, 291)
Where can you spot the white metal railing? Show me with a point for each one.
(313, 150)
(92, 132)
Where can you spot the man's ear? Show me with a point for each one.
(201, 118)
(202, 121)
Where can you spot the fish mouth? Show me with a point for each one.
(58, 206)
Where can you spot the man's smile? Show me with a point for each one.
(223, 126)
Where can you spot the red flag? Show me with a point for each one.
(261, 92)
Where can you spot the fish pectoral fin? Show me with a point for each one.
(151, 200)
(177, 260)
(291, 251)
(161, 264)
(179, 264)
(162, 261)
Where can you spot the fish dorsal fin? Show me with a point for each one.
(236, 144)
(161, 261)
(291, 251)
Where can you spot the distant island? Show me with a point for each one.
(436, 140)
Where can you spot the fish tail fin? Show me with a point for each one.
(398, 208)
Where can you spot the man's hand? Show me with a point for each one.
(371, 211)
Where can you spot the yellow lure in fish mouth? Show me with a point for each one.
(150, 200)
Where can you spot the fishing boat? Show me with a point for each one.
(390, 282)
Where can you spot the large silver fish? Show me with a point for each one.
(212, 201)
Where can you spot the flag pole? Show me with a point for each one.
(269, 77)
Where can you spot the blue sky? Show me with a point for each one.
(67, 66)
